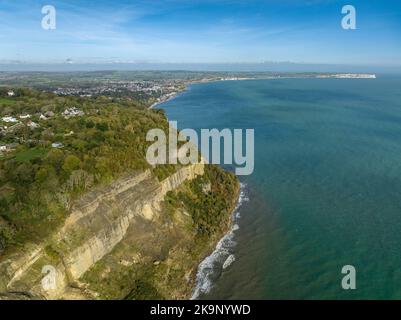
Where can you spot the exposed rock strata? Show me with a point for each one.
(98, 222)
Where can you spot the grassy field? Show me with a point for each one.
(30, 154)
(6, 101)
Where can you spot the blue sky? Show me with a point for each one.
(202, 31)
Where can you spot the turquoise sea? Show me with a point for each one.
(326, 190)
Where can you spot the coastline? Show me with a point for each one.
(218, 253)
(168, 97)
(196, 278)
(171, 96)
(219, 250)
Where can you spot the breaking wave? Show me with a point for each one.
(210, 269)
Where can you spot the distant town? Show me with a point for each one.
(150, 88)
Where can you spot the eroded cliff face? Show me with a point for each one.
(106, 228)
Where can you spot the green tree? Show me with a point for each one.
(56, 158)
(71, 163)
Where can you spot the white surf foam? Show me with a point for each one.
(222, 257)
(229, 261)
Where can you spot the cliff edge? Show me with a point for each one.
(125, 240)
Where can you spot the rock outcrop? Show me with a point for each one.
(98, 222)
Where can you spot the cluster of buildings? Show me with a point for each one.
(149, 87)
(72, 112)
(8, 147)
(11, 124)
(10, 121)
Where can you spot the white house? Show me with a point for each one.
(42, 117)
(12, 146)
(11, 93)
(57, 145)
(72, 112)
(32, 125)
(9, 119)
(3, 148)
(24, 116)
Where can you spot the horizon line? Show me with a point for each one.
(71, 63)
